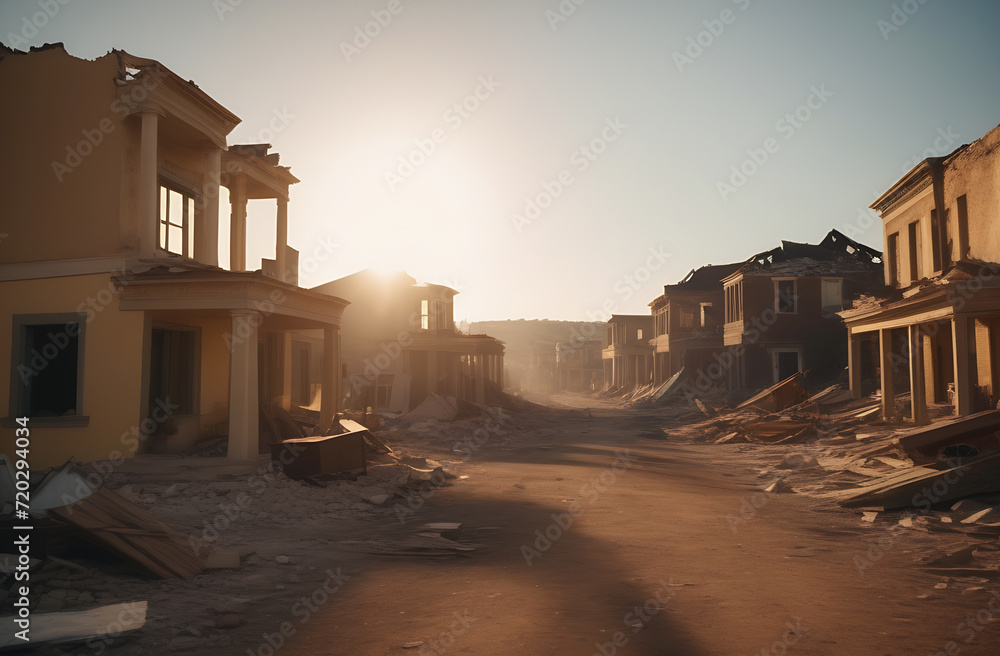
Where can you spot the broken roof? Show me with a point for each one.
(959, 276)
(146, 84)
(836, 254)
(706, 278)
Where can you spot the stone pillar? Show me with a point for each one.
(286, 369)
(888, 393)
(480, 379)
(918, 393)
(281, 240)
(960, 356)
(207, 247)
(148, 186)
(330, 397)
(243, 436)
(238, 224)
(854, 364)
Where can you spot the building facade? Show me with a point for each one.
(936, 334)
(120, 331)
(628, 358)
(688, 320)
(399, 344)
(781, 309)
(579, 366)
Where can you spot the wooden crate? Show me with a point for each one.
(328, 454)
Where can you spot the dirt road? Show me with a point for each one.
(597, 539)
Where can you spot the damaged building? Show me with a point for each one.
(781, 309)
(400, 344)
(688, 321)
(628, 358)
(579, 366)
(120, 330)
(935, 336)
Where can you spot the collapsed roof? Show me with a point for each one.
(837, 253)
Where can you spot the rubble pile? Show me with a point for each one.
(942, 479)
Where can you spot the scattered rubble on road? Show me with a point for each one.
(938, 479)
(153, 529)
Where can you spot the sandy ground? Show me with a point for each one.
(600, 531)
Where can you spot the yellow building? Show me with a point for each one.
(119, 329)
(937, 333)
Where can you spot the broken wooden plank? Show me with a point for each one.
(977, 429)
(775, 431)
(705, 409)
(60, 487)
(76, 626)
(132, 532)
(922, 486)
(377, 445)
(778, 397)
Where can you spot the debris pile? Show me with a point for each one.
(942, 478)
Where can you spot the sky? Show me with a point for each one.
(563, 159)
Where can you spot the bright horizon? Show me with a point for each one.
(553, 165)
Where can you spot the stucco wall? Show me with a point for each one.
(111, 370)
(917, 209)
(63, 125)
(975, 173)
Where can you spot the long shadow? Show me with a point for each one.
(589, 589)
(586, 586)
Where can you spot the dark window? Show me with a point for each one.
(936, 240)
(913, 234)
(893, 261)
(47, 366)
(786, 299)
(963, 227)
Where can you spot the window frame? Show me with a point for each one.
(840, 292)
(188, 212)
(892, 261)
(425, 314)
(20, 324)
(777, 295)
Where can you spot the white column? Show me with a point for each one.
(207, 248)
(286, 370)
(238, 225)
(918, 394)
(330, 396)
(148, 185)
(854, 364)
(960, 356)
(281, 240)
(888, 393)
(243, 409)
(480, 379)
